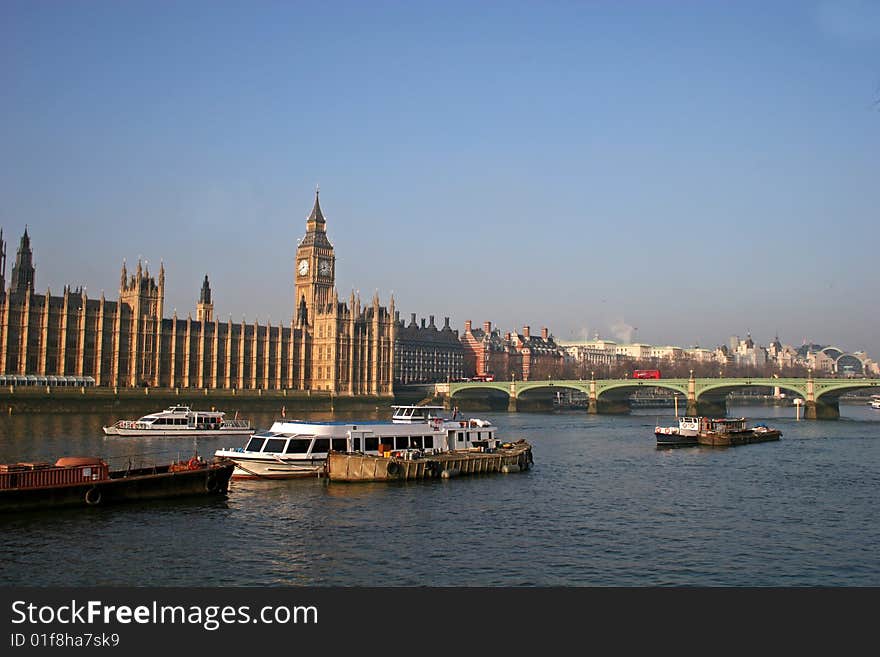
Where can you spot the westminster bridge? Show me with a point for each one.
(705, 396)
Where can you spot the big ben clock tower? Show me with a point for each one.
(315, 268)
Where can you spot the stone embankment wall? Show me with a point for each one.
(99, 400)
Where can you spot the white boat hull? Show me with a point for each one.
(176, 433)
(273, 469)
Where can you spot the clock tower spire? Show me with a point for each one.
(315, 264)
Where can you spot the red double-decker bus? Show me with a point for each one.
(646, 374)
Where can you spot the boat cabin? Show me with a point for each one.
(410, 414)
(179, 416)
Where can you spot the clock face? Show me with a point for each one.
(324, 267)
(303, 268)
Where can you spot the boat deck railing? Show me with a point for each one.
(236, 424)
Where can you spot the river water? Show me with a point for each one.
(602, 506)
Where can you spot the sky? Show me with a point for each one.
(665, 172)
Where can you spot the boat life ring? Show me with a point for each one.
(393, 468)
(211, 483)
(93, 496)
(193, 463)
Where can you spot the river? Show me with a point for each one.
(602, 506)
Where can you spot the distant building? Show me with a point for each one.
(486, 352)
(426, 354)
(539, 356)
(522, 356)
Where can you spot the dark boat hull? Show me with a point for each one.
(123, 486)
(672, 440)
(739, 438)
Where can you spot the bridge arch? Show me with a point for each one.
(720, 390)
(628, 386)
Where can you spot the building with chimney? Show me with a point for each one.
(426, 354)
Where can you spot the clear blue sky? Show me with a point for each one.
(688, 169)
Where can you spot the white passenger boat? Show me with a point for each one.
(181, 421)
(875, 401)
(297, 448)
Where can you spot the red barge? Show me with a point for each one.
(88, 481)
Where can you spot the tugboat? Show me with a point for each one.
(714, 432)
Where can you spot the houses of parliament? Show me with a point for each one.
(341, 346)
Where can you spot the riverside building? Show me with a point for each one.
(329, 345)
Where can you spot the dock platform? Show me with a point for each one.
(352, 467)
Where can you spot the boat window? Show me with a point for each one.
(274, 445)
(429, 442)
(340, 444)
(254, 445)
(298, 445)
(322, 445)
(356, 444)
(461, 436)
(401, 442)
(371, 444)
(416, 442)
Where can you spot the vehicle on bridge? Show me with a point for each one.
(486, 377)
(646, 374)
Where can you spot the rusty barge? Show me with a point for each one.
(413, 464)
(88, 481)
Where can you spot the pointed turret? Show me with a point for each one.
(205, 309)
(23, 269)
(205, 296)
(2, 263)
(316, 216)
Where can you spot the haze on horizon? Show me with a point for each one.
(674, 172)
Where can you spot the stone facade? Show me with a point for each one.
(426, 354)
(520, 356)
(329, 345)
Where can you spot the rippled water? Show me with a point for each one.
(601, 507)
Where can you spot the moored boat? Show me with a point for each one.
(875, 401)
(88, 481)
(298, 448)
(685, 434)
(179, 421)
(714, 432)
(415, 464)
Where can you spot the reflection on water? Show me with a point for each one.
(602, 506)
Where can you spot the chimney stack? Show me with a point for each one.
(412, 319)
(423, 322)
(431, 323)
(446, 322)
(526, 332)
(467, 326)
(545, 333)
(487, 327)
